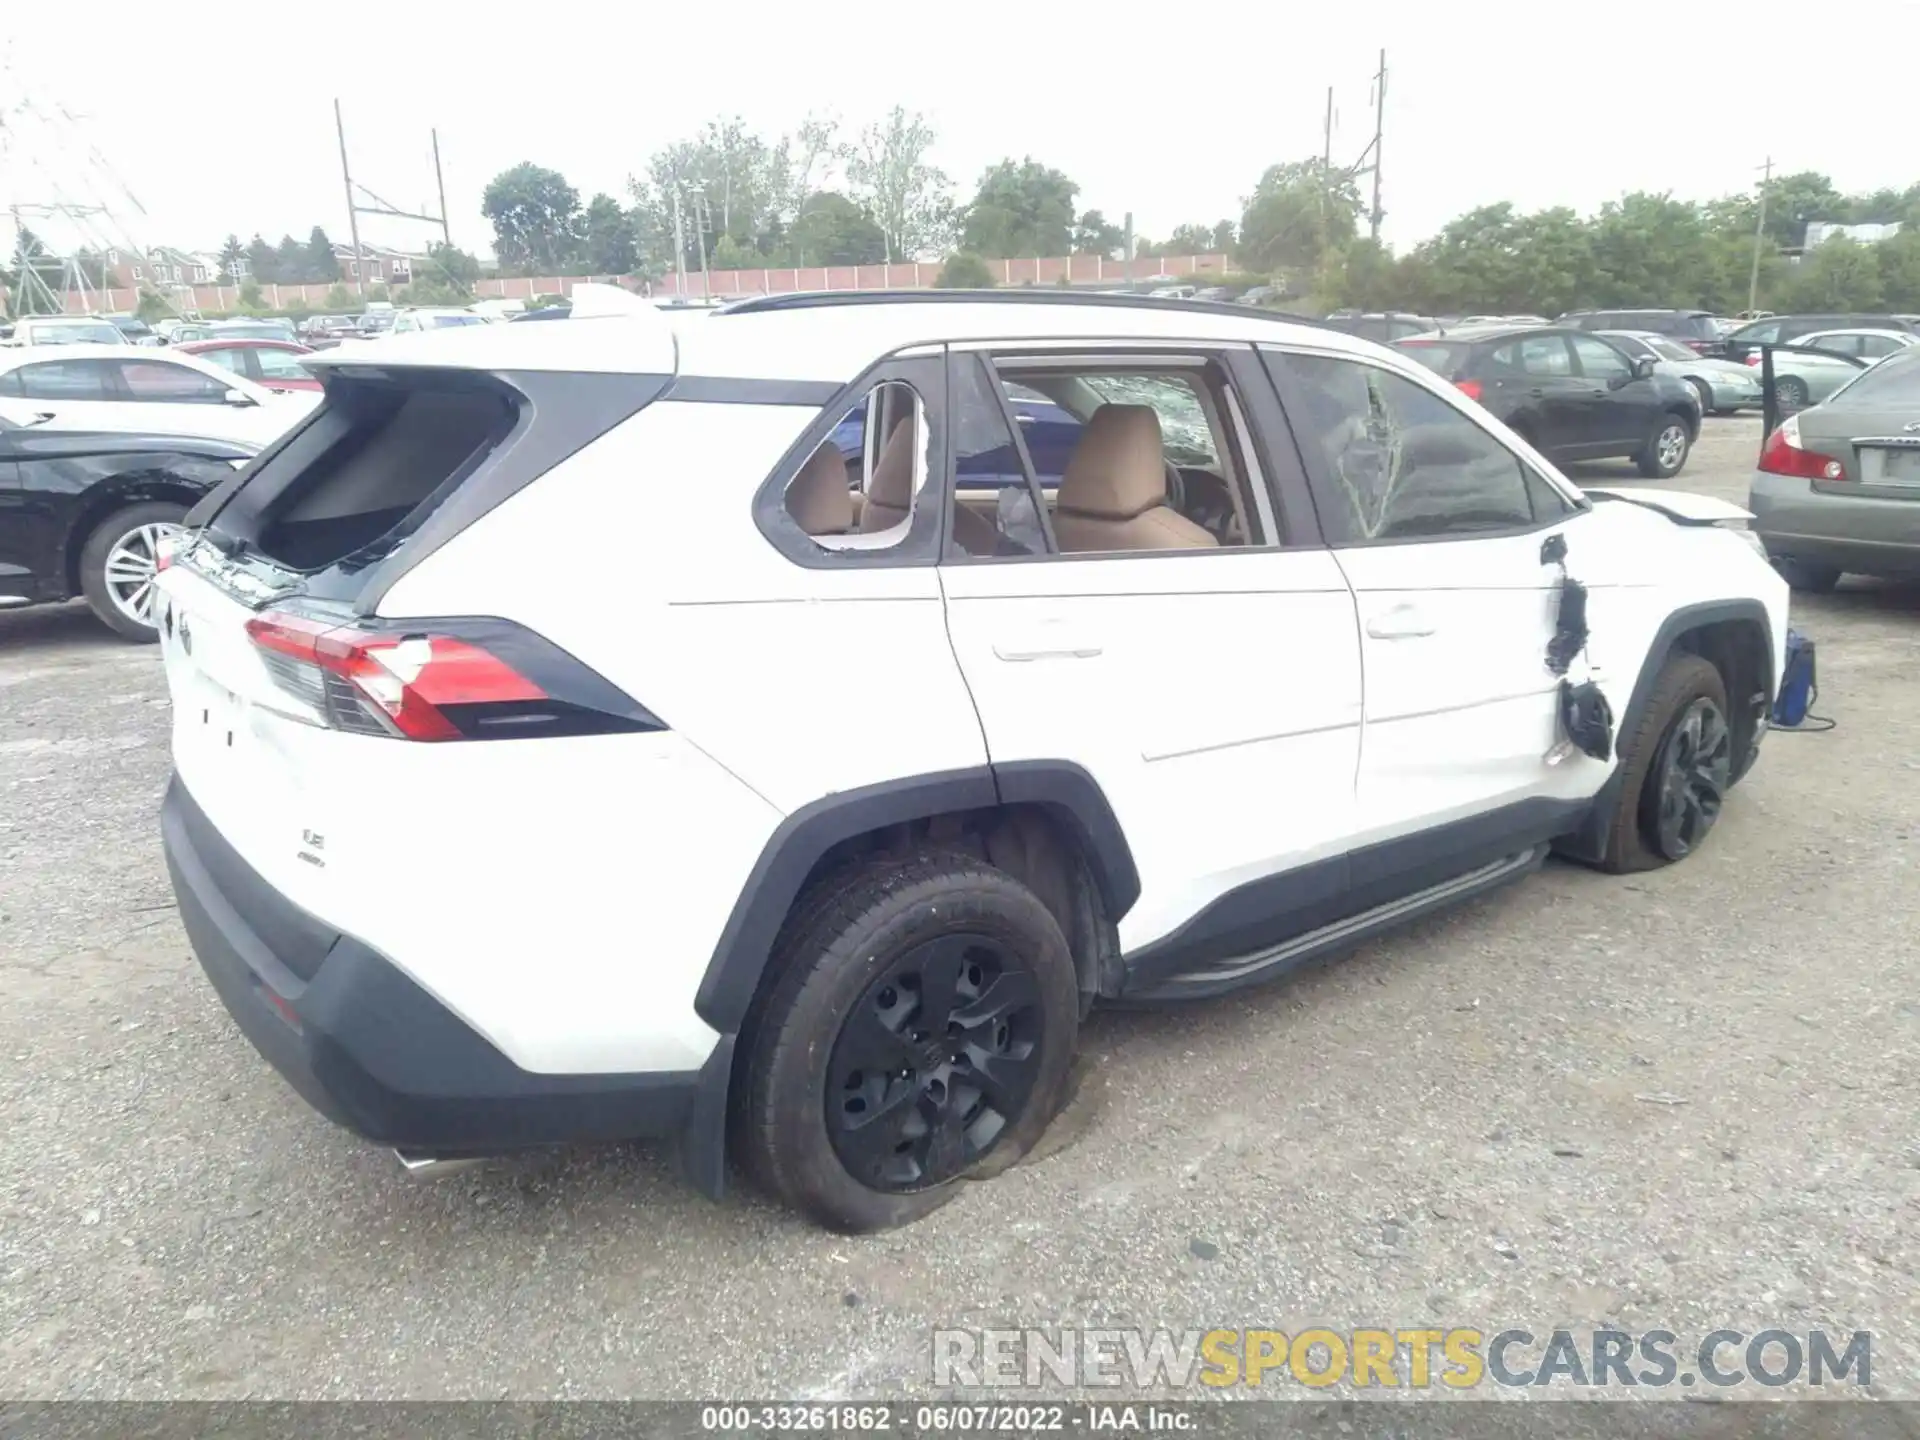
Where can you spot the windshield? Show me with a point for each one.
(1438, 356)
(96, 334)
(1670, 349)
(1184, 433)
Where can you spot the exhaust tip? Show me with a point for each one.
(433, 1167)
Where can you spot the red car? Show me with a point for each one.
(272, 363)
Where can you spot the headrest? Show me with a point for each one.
(819, 498)
(1117, 469)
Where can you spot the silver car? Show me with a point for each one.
(1838, 487)
(1721, 386)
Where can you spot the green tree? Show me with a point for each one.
(1898, 259)
(250, 296)
(964, 272)
(536, 219)
(232, 256)
(1020, 210)
(1837, 274)
(289, 261)
(263, 264)
(453, 266)
(1793, 201)
(318, 264)
(832, 230)
(609, 238)
(1298, 213)
(151, 307)
(1094, 234)
(337, 297)
(909, 197)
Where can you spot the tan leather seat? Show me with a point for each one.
(818, 498)
(1114, 493)
(890, 497)
(890, 491)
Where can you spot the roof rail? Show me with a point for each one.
(1012, 295)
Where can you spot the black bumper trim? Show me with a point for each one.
(377, 1054)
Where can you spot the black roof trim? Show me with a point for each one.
(1012, 295)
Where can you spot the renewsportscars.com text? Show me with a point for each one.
(1458, 1359)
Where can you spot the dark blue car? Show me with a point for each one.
(1050, 432)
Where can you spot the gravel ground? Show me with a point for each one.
(1683, 1100)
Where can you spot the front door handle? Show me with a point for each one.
(1402, 622)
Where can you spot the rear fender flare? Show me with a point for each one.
(1063, 790)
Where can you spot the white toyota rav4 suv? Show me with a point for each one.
(784, 728)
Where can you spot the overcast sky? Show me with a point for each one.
(219, 118)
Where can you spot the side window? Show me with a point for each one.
(1875, 347)
(159, 382)
(1544, 355)
(860, 488)
(1398, 462)
(1598, 359)
(67, 380)
(281, 365)
(234, 359)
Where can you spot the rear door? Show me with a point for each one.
(75, 394)
(1535, 376)
(1210, 683)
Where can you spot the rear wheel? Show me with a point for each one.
(1666, 449)
(918, 1034)
(1790, 393)
(1676, 769)
(119, 562)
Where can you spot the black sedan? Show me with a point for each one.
(81, 513)
(1569, 394)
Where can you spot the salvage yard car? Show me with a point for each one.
(83, 514)
(485, 831)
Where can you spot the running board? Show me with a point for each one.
(1264, 965)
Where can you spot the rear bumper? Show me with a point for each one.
(374, 1052)
(1867, 533)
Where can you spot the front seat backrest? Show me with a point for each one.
(1114, 493)
(819, 498)
(890, 491)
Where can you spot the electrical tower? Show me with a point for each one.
(1369, 162)
(355, 208)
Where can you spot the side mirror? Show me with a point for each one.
(1643, 367)
(240, 397)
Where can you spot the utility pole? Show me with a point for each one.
(1326, 164)
(1759, 234)
(353, 211)
(446, 231)
(701, 222)
(1127, 248)
(1379, 129)
(679, 247)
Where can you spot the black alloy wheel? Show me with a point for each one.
(1694, 771)
(936, 1060)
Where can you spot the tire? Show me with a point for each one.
(122, 538)
(1808, 578)
(1703, 392)
(1641, 837)
(849, 974)
(1790, 394)
(1665, 452)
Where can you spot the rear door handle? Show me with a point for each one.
(1044, 650)
(1402, 622)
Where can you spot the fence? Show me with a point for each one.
(906, 274)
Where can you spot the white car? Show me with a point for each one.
(415, 319)
(77, 387)
(65, 330)
(606, 729)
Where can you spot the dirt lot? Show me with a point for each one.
(1686, 1100)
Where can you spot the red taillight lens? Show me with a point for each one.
(429, 684)
(1783, 455)
(1469, 388)
(1754, 359)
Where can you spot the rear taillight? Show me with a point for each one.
(1469, 388)
(1783, 455)
(1754, 360)
(456, 680)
